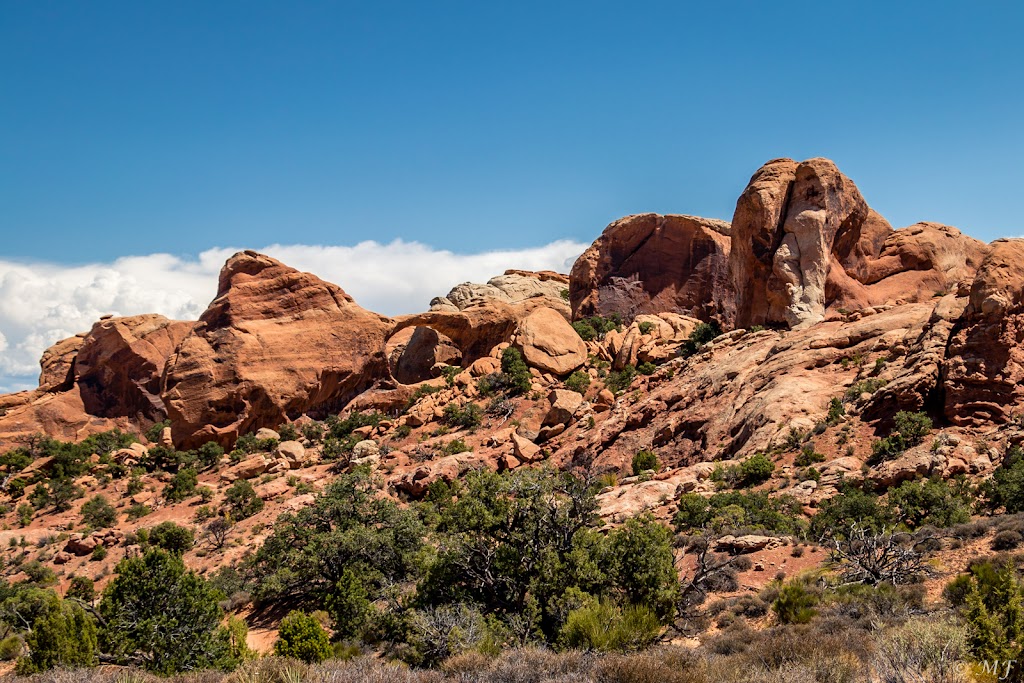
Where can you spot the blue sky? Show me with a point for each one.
(135, 128)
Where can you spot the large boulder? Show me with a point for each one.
(274, 344)
(654, 264)
(984, 365)
(414, 352)
(549, 343)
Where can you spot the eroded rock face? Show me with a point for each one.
(274, 344)
(105, 379)
(984, 367)
(120, 362)
(654, 264)
(414, 352)
(804, 240)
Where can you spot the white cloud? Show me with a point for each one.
(41, 303)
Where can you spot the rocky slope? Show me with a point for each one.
(832, 323)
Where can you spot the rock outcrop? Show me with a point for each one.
(513, 287)
(984, 367)
(104, 379)
(655, 264)
(804, 240)
(275, 343)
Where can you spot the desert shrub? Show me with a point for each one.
(645, 327)
(642, 566)
(756, 469)
(808, 456)
(795, 603)
(63, 635)
(25, 513)
(644, 460)
(1007, 540)
(607, 627)
(922, 649)
(349, 605)
(739, 510)
(98, 513)
(10, 648)
(935, 502)
(171, 537)
(209, 454)
(578, 381)
(438, 633)
(909, 430)
(137, 511)
(701, 335)
(347, 530)
(301, 636)
(618, 381)
(182, 485)
(867, 386)
(513, 380)
(514, 368)
(38, 573)
(836, 411)
(159, 614)
(849, 508)
(991, 601)
(82, 588)
(468, 416)
(242, 500)
(1005, 488)
(646, 368)
(99, 553)
(596, 327)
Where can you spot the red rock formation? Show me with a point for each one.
(984, 366)
(654, 264)
(119, 365)
(804, 240)
(107, 378)
(274, 344)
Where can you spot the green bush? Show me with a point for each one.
(349, 605)
(739, 510)
(62, 636)
(990, 599)
(242, 501)
(645, 460)
(182, 485)
(209, 454)
(10, 648)
(645, 327)
(301, 636)
(756, 469)
(98, 513)
(642, 565)
(701, 335)
(850, 507)
(1005, 488)
(171, 537)
(606, 627)
(935, 502)
(908, 431)
(469, 416)
(82, 588)
(514, 367)
(596, 327)
(795, 604)
(578, 381)
(163, 616)
(808, 456)
(619, 381)
(646, 368)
